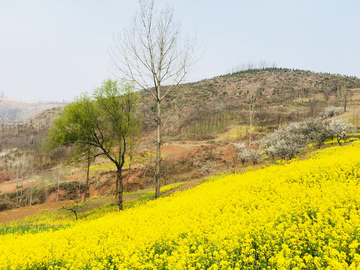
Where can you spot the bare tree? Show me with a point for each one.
(314, 107)
(262, 115)
(279, 114)
(25, 164)
(343, 96)
(14, 167)
(251, 116)
(57, 179)
(355, 114)
(263, 64)
(152, 54)
(327, 94)
(19, 166)
(74, 208)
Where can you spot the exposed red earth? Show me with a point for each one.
(10, 186)
(175, 150)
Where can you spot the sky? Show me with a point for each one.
(53, 50)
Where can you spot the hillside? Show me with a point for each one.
(11, 111)
(209, 116)
(22, 133)
(277, 93)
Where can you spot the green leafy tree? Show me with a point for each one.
(103, 124)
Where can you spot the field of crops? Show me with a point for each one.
(302, 215)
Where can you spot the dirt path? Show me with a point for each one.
(10, 186)
(20, 213)
(187, 185)
(173, 150)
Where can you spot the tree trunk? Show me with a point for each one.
(158, 151)
(87, 178)
(17, 192)
(345, 102)
(58, 190)
(128, 175)
(31, 191)
(120, 191)
(21, 192)
(79, 189)
(116, 188)
(251, 116)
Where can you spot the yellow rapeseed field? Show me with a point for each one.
(303, 215)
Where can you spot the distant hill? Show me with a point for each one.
(276, 92)
(209, 106)
(11, 110)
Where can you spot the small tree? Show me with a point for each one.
(332, 111)
(251, 154)
(106, 122)
(207, 166)
(57, 177)
(343, 96)
(73, 208)
(251, 119)
(315, 129)
(240, 152)
(285, 142)
(338, 128)
(254, 154)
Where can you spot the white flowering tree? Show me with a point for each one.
(207, 166)
(248, 154)
(316, 130)
(240, 152)
(332, 111)
(338, 128)
(285, 142)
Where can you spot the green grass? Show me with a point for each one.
(59, 219)
(28, 228)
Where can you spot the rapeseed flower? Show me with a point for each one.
(302, 215)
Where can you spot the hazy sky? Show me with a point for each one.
(52, 50)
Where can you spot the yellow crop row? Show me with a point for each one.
(235, 132)
(303, 215)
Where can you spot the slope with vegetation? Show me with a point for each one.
(302, 215)
(203, 129)
(280, 96)
(11, 110)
